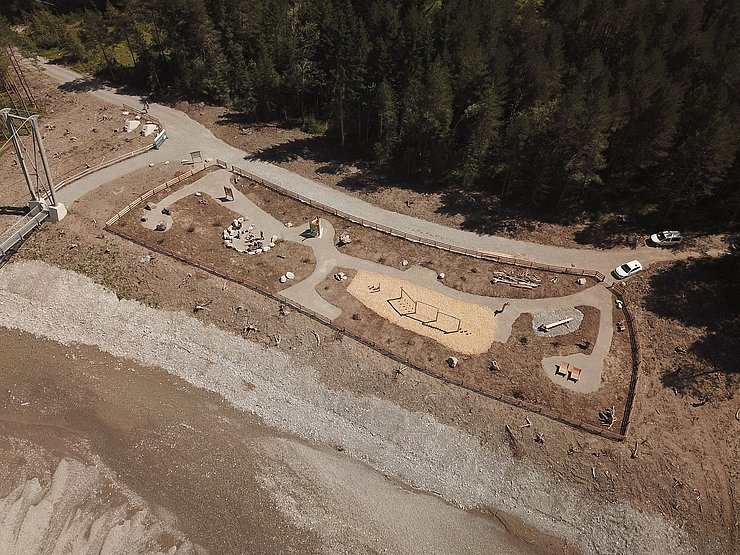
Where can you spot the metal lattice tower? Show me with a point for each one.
(32, 160)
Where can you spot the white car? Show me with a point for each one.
(666, 238)
(627, 270)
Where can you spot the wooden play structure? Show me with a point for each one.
(425, 313)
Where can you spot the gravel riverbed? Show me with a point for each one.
(411, 447)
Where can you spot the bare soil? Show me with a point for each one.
(196, 235)
(675, 440)
(685, 467)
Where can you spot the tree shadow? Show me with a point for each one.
(356, 173)
(320, 150)
(236, 118)
(618, 232)
(485, 213)
(82, 84)
(702, 293)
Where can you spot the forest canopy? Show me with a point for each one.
(562, 106)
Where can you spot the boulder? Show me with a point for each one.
(283, 279)
(288, 224)
(581, 281)
(452, 362)
(148, 129)
(266, 248)
(404, 262)
(441, 275)
(161, 226)
(150, 206)
(289, 275)
(344, 239)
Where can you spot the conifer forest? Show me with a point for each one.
(560, 106)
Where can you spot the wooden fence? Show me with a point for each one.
(598, 276)
(518, 403)
(636, 350)
(158, 189)
(577, 424)
(88, 171)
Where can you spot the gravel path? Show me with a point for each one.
(328, 257)
(186, 135)
(411, 447)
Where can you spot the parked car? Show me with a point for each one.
(666, 238)
(627, 270)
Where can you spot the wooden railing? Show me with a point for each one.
(88, 171)
(158, 189)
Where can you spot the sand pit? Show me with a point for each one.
(463, 327)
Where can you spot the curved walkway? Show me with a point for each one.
(328, 257)
(186, 135)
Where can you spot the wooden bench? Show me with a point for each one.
(562, 369)
(575, 374)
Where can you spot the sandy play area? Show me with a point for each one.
(466, 328)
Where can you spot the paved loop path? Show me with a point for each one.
(328, 257)
(186, 135)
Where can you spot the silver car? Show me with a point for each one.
(666, 238)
